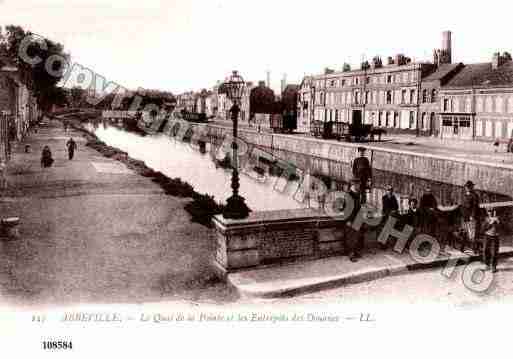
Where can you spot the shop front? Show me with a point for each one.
(456, 126)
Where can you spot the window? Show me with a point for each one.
(423, 121)
(379, 119)
(396, 119)
(387, 119)
(424, 96)
(447, 121)
(367, 80)
(389, 79)
(412, 119)
(433, 95)
(366, 97)
(403, 96)
(412, 96)
(446, 104)
(356, 80)
(336, 115)
(356, 97)
(342, 82)
(389, 97)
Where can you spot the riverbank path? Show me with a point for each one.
(92, 231)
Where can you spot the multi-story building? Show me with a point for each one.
(477, 102)
(387, 95)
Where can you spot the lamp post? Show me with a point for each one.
(236, 207)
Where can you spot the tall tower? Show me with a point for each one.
(447, 46)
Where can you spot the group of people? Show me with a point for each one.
(470, 228)
(46, 155)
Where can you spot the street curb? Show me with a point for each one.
(353, 278)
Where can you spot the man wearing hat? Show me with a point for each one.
(362, 171)
(470, 215)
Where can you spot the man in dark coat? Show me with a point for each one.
(428, 200)
(428, 206)
(355, 237)
(470, 213)
(72, 146)
(389, 202)
(362, 171)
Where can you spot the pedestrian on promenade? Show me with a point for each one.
(363, 172)
(46, 157)
(491, 242)
(72, 146)
(65, 126)
(470, 215)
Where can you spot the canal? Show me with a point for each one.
(266, 191)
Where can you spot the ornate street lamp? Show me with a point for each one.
(235, 207)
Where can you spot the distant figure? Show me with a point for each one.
(470, 213)
(496, 145)
(389, 202)
(363, 172)
(510, 145)
(491, 242)
(46, 157)
(72, 146)
(65, 126)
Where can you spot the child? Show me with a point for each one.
(491, 242)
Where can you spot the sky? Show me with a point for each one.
(181, 45)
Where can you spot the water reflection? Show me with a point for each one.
(175, 158)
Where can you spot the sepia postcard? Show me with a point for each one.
(235, 178)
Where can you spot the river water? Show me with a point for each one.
(176, 158)
(179, 159)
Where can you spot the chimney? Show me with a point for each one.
(400, 59)
(447, 47)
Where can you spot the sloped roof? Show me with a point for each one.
(442, 72)
(483, 75)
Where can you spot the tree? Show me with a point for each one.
(346, 67)
(34, 75)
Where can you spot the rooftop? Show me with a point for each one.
(483, 75)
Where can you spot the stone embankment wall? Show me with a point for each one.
(490, 177)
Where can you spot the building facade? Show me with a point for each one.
(477, 103)
(18, 109)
